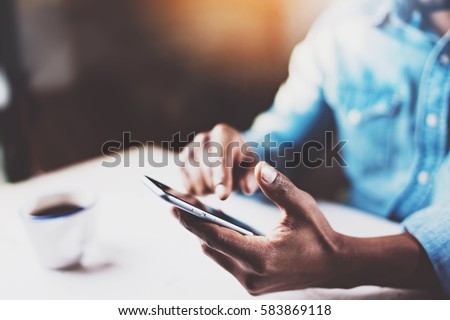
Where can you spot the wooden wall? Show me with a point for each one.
(153, 68)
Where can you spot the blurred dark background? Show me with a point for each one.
(82, 72)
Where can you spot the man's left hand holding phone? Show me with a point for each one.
(302, 250)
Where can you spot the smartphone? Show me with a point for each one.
(191, 205)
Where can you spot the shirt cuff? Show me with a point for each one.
(431, 227)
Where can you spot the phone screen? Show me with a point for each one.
(191, 200)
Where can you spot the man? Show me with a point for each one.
(383, 69)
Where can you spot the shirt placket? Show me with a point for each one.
(431, 128)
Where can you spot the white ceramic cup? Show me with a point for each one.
(60, 240)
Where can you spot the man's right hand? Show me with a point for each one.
(213, 163)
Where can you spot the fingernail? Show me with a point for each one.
(268, 174)
(252, 185)
(218, 177)
(182, 156)
(221, 191)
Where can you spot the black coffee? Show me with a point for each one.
(56, 211)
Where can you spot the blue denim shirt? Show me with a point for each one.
(386, 79)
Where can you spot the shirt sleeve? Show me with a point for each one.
(299, 107)
(431, 226)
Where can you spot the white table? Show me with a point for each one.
(140, 251)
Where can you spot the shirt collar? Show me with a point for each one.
(403, 13)
(405, 10)
(398, 11)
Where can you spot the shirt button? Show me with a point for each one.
(445, 59)
(432, 120)
(423, 177)
(354, 116)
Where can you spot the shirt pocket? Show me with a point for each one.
(367, 120)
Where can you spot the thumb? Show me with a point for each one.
(281, 191)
